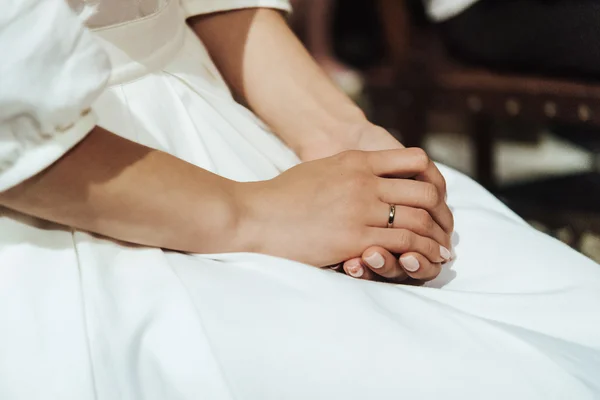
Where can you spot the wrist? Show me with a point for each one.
(248, 207)
(342, 135)
(320, 125)
(218, 223)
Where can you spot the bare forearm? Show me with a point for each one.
(120, 189)
(266, 65)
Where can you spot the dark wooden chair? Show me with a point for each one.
(427, 79)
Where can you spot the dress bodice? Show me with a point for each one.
(101, 13)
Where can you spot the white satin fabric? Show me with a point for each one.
(517, 315)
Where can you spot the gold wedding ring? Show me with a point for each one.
(391, 216)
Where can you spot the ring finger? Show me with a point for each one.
(413, 219)
(402, 241)
(418, 195)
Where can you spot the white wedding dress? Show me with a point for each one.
(516, 315)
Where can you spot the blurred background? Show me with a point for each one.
(505, 91)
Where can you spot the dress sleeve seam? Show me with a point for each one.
(47, 149)
(198, 7)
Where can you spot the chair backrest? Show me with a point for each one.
(423, 67)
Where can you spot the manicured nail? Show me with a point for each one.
(410, 263)
(356, 271)
(445, 253)
(375, 260)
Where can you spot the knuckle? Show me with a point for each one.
(432, 196)
(351, 158)
(405, 239)
(424, 220)
(444, 185)
(421, 158)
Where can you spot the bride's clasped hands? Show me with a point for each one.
(362, 207)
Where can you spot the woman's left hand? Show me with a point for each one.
(376, 262)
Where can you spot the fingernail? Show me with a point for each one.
(410, 263)
(445, 253)
(336, 267)
(356, 271)
(375, 260)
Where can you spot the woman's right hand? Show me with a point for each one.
(327, 211)
(378, 264)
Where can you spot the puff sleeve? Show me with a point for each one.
(51, 71)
